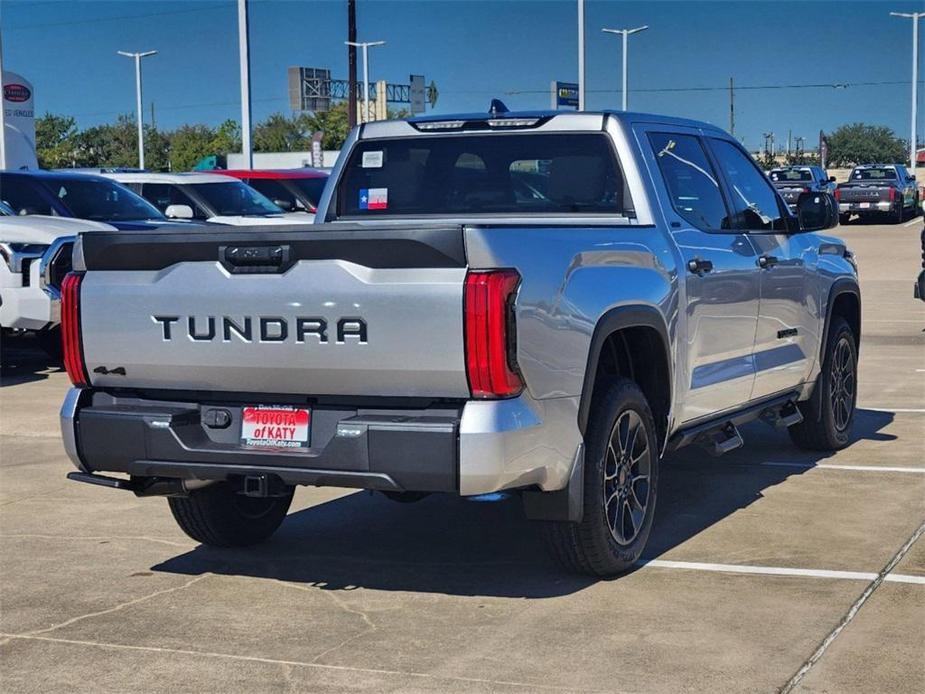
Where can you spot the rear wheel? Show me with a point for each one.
(219, 516)
(828, 415)
(899, 213)
(620, 483)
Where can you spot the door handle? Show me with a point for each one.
(767, 261)
(699, 266)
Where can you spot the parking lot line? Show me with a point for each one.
(912, 221)
(849, 468)
(778, 571)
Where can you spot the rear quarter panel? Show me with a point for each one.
(571, 276)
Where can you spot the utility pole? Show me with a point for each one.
(2, 110)
(732, 108)
(352, 61)
(244, 56)
(139, 115)
(915, 17)
(626, 34)
(581, 55)
(366, 45)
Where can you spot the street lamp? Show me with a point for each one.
(141, 132)
(915, 17)
(365, 45)
(625, 33)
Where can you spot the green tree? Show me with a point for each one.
(189, 144)
(54, 140)
(859, 143)
(279, 133)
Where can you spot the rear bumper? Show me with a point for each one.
(470, 448)
(882, 206)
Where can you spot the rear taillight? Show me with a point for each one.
(837, 194)
(892, 194)
(70, 329)
(806, 190)
(490, 334)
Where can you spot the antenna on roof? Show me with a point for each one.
(497, 106)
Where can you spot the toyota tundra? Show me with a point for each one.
(540, 303)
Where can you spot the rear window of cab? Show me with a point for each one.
(491, 174)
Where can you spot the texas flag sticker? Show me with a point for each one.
(374, 198)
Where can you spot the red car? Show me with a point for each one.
(295, 190)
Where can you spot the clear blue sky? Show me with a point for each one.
(474, 51)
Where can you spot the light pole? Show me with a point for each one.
(365, 45)
(581, 55)
(626, 34)
(244, 59)
(141, 131)
(915, 17)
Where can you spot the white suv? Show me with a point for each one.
(207, 197)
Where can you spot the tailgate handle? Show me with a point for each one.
(254, 259)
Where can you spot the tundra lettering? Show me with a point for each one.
(272, 328)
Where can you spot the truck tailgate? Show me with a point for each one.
(335, 310)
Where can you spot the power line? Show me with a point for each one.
(822, 85)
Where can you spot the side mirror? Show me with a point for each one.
(816, 211)
(283, 204)
(179, 212)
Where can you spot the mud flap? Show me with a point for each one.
(566, 504)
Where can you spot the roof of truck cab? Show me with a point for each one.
(172, 178)
(576, 120)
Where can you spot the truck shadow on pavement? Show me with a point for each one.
(448, 545)
(23, 361)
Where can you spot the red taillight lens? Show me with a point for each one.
(892, 194)
(806, 190)
(70, 329)
(490, 336)
(837, 194)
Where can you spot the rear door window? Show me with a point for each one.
(691, 180)
(505, 173)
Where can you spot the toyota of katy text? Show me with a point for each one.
(540, 303)
(878, 190)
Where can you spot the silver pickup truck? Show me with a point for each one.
(541, 303)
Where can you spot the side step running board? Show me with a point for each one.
(721, 435)
(724, 440)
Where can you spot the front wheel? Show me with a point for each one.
(620, 484)
(219, 516)
(828, 415)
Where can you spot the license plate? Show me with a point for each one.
(264, 426)
(865, 205)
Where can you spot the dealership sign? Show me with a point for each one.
(19, 122)
(564, 94)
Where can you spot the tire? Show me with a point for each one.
(844, 218)
(218, 516)
(899, 215)
(599, 545)
(828, 415)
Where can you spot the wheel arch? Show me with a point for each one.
(845, 301)
(636, 334)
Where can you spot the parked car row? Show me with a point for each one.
(872, 190)
(41, 213)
